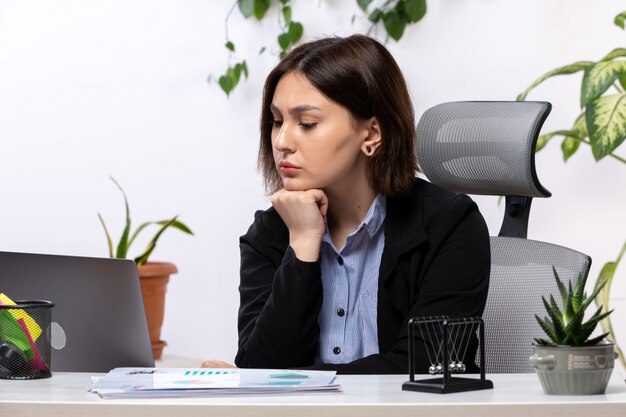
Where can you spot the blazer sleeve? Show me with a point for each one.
(453, 280)
(280, 300)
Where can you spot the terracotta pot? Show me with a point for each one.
(153, 278)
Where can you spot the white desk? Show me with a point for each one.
(65, 394)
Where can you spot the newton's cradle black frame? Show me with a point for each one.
(451, 360)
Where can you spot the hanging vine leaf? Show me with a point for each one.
(295, 32)
(260, 8)
(230, 46)
(415, 9)
(284, 40)
(226, 83)
(287, 14)
(606, 121)
(598, 78)
(246, 7)
(394, 25)
(363, 4)
(375, 16)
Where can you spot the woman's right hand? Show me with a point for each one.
(304, 213)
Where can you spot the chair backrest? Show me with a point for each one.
(482, 147)
(521, 273)
(488, 148)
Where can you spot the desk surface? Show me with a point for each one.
(65, 394)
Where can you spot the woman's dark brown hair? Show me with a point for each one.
(358, 73)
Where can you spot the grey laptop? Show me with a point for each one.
(98, 308)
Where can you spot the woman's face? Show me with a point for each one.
(316, 143)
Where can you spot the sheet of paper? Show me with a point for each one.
(182, 382)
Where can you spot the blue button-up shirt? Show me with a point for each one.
(347, 320)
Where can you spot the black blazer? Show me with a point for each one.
(436, 261)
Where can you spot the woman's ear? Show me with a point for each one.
(373, 140)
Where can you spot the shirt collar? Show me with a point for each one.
(372, 222)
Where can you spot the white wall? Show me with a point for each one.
(91, 88)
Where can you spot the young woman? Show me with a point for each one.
(354, 244)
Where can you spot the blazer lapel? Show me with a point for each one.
(404, 231)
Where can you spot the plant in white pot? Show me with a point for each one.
(572, 362)
(153, 276)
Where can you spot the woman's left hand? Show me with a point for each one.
(214, 363)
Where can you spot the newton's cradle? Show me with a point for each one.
(446, 341)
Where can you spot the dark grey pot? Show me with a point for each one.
(574, 370)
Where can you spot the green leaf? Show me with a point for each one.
(595, 340)
(567, 69)
(106, 232)
(394, 25)
(143, 258)
(560, 285)
(569, 146)
(415, 9)
(284, 40)
(615, 53)
(543, 140)
(606, 121)
(605, 279)
(295, 32)
(375, 16)
(287, 14)
(246, 7)
(234, 73)
(619, 20)
(580, 126)
(175, 224)
(260, 8)
(138, 230)
(363, 4)
(598, 78)
(262, 50)
(122, 246)
(548, 329)
(230, 46)
(244, 68)
(227, 84)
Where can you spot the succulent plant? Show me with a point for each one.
(565, 326)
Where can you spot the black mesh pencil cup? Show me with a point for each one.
(25, 340)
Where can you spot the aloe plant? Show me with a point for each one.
(127, 238)
(565, 326)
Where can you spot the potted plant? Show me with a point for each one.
(572, 362)
(601, 127)
(153, 276)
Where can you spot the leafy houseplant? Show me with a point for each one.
(571, 361)
(601, 126)
(153, 276)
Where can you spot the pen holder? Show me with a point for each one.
(25, 340)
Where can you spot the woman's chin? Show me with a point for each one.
(291, 185)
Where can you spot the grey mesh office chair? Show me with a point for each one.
(489, 148)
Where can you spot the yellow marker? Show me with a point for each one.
(31, 324)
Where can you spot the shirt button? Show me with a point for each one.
(336, 350)
(340, 260)
(341, 312)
